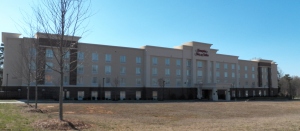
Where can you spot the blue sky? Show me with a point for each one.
(268, 29)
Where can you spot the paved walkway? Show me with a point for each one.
(11, 101)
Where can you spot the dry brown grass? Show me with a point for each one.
(183, 116)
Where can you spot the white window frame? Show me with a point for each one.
(178, 72)
(107, 69)
(138, 71)
(225, 66)
(123, 59)
(154, 60)
(178, 62)
(138, 60)
(232, 66)
(232, 74)
(107, 57)
(154, 71)
(199, 73)
(95, 69)
(199, 64)
(95, 57)
(49, 53)
(167, 61)
(225, 74)
(167, 72)
(80, 55)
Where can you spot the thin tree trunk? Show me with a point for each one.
(36, 96)
(28, 88)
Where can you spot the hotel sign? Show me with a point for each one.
(200, 52)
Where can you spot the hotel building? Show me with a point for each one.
(192, 70)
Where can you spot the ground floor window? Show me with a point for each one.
(154, 95)
(107, 95)
(259, 92)
(233, 94)
(80, 95)
(239, 93)
(138, 95)
(246, 93)
(94, 95)
(67, 94)
(122, 95)
(253, 92)
(265, 93)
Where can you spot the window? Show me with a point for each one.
(253, 76)
(246, 93)
(123, 70)
(218, 74)
(167, 82)
(199, 73)
(178, 72)
(66, 80)
(79, 80)
(48, 66)
(49, 53)
(95, 69)
(217, 65)
(225, 66)
(167, 71)
(167, 61)
(225, 74)
(199, 64)
(232, 74)
(67, 55)
(94, 80)
(32, 65)
(154, 82)
(94, 57)
(108, 57)
(138, 71)
(253, 92)
(138, 81)
(265, 93)
(122, 59)
(48, 79)
(178, 62)
(246, 76)
(32, 52)
(80, 55)
(253, 68)
(232, 66)
(66, 67)
(80, 69)
(233, 93)
(138, 60)
(259, 92)
(188, 82)
(238, 67)
(107, 81)
(188, 63)
(154, 71)
(246, 68)
(107, 69)
(178, 82)
(122, 81)
(188, 72)
(154, 60)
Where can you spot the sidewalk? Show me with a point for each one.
(11, 101)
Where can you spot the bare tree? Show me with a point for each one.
(60, 22)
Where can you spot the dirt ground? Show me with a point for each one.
(182, 115)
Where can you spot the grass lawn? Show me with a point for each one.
(167, 116)
(12, 119)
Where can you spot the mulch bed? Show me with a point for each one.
(56, 124)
